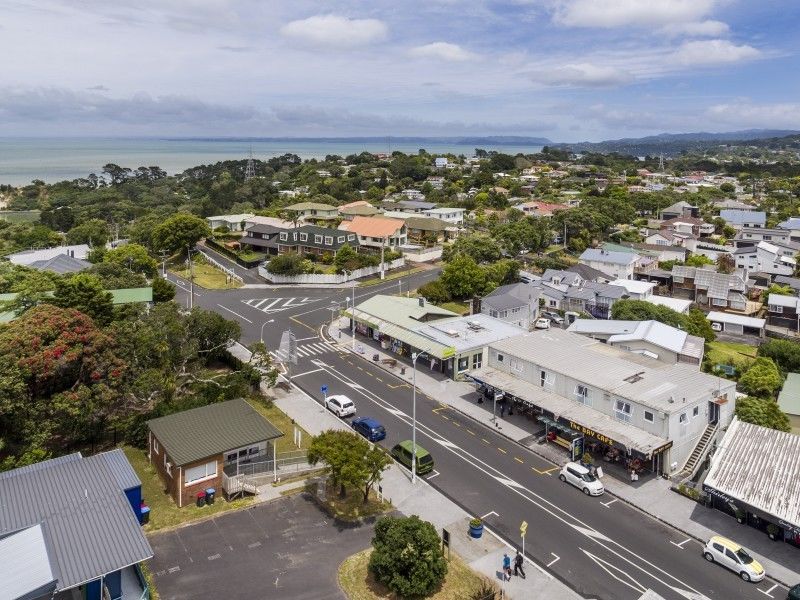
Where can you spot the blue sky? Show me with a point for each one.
(564, 69)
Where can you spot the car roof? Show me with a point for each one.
(577, 467)
(407, 444)
(730, 544)
(370, 422)
(340, 398)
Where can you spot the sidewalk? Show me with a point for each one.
(652, 496)
(485, 555)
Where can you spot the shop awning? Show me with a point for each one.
(581, 418)
(415, 340)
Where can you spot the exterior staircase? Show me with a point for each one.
(699, 453)
(238, 485)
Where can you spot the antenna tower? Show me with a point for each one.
(661, 163)
(250, 170)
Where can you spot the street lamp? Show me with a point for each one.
(261, 338)
(414, 358)
(352, 313)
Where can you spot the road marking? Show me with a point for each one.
(554, 561)
(355, 386)
(447, 444)
(215, 556)
(313, 337)
(501, 450)
(299, 322)
(379, 379)
(235, 313)
(491, 512)
(616, 573)
(519, 460)
(681, 544)
(768, 592)
(609, 503)
(308, 372)
(436, 410)
(172, 570)
(394, 387)
(456, 423)
(435, 474)
(469, 431)
(254, 545)
(485, 440)
(546, 471)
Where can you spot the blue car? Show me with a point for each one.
(369, 428)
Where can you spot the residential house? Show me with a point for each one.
(739, 219)
(211, 446)
(619, 264)
(709, 289)
(537, 208)
(764, 257)
(274, 221)
(652, 339)
(71, 528)
(733, 324)
(28, 257)
(262, 237)
(636, 290)
(687, 226)
(792, 225)
(61, 264)
(792, 282)
(516, 303)
(644, 410)
(680, 209)
(360, 208)
(596, 299)
(659, 252)
(409, 206)
(229, 222)
(313, 210)
(440, 162)
(454, 216)
(664, 238)
(425, 230)
(306, 239)
(752, 235)
(789, 400)
(588, 273)
(730, 204)
(784, 311)
(375, 233)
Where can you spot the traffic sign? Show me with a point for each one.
(323, 389)
(523, 529)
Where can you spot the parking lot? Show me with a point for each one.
(287, 548)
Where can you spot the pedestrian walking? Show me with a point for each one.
(506, 567)
(503, 409)
(519, 562)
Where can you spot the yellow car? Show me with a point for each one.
(732, 556)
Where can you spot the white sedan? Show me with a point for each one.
(542, 323)
(340, 405)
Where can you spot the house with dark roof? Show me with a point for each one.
(709, 289)
(306, 239)
(70, 528)
(61, 264)
(216, 446)
(516, 303)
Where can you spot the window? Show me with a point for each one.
(168, 467)
(515, 310)
(155, 445)
(317, 239)
(477, 360)
(546, 379)
(463, 364)
(284, 237)
(517, 365)
(328, 240)
(493, 313)
(767, 237)
(648, 416)
(351, 237)
(303, 237)
(503, 314)
(773, 308)
(499, 358)
(695, 411)
(582, 394)
(201, 472)
(682, 419)
(719, 302)
(623, 411)
(340, 239)
(553, 303)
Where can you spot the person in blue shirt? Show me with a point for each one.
(506, 567)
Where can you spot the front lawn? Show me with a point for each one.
(462, 308)
(205, 275)
(358, 583)
(282, 421)
(730, 353)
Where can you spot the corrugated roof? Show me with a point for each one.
(739, 217)
(198, 433)
(724, 317)
(760, 467)
(310, 206)
(25, 568)
(783, 300)
(512, 296)
(121, 469)
(131, 295)
(87, 519)
(789, 398)
(61, 264)
(379, 227)
(603, 256)
(470, 332)
(405, 312)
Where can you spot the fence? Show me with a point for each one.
(220, 266)
(336, 278)
(247, 264)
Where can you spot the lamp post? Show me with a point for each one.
(352, 314)
(414, 358)
(261, 338)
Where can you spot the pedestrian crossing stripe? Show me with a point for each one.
(273, 305)
(305, 350)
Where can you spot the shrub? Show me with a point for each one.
(434, 291)
(475, 522)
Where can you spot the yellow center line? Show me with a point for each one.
(501, 450)
(519, 460)
(485, 440)
(470, 432)
(456, 424)
(379, 379)
(360, 368)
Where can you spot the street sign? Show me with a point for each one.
(523, 529)
(323, 389)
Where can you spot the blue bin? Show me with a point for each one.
(144, 513)
(210, 493)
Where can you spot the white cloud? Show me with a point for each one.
(582, 75)
(621, 13)
(443, 51)
(708, 28)
(713, 52)
(336, 31)
(744, 115)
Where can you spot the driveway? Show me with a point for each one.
(287, 548)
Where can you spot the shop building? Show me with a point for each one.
(654, 416)
(754, 478)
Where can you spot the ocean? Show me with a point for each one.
(57, 159)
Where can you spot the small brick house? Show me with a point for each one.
(193, 449)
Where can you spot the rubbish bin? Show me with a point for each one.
(210, 492)
(201, 499)
(145, 515)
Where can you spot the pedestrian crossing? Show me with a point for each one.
(274, 305)
(305, 350)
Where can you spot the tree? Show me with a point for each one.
(725, 263)
(346, 259)
(727, 187)
(134, 257)
(179, 232)
(762, 411)
(114, 276)
(262, 361)
(639, 310)
(93, 232)
(778, 290)
(374, 463)
(434, 291)
(697, 324)
(342, 452)
(84, 292)
(289, 264)
(407, 557)
(762, 379)
(785, 353)
(163, 290)
(698, 260)
(463, 278)
(212, 332)
(479, 246)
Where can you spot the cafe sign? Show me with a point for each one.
(591, 433)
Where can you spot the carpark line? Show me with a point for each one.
(546, 471)
(235, 313)
(531, 496)
(681, 544)
(491, 512)
(768, 592)
(554, 561)
(609, 503)
(435, 474)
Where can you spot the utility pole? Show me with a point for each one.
(383, 266)
(191, 276)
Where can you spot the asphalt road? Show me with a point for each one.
(601, 547)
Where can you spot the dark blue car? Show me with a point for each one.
(369, 428)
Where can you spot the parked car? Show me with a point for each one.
(542, 323)
(582, 478)
(369, 428)
(794, 593)
(555, 318)
(402, 452)
(340, 405)
(732, 556)
(716, 326)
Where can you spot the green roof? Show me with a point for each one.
(199, 433)
(789, 398)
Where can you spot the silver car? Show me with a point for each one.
(340, 405)
(581, 478)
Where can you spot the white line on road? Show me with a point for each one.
(490, 513)
(616, 573)
(681, 544)
(609, 503)
(173, 570)
(214, 556)
(235, 313)
(254, 545)
(769, 591)
(435, 474)
(313, 337)
(307, 373)
(554, 561)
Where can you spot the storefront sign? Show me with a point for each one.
(591, 433)
(662, 448)
(448, 352)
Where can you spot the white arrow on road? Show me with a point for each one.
(622, 576)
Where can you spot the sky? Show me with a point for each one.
(567, 70)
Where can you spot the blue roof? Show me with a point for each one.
(368, 421)
(790, 223)
(739, 217)
(606, 256)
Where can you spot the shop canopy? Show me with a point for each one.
(417, 341)
(581, 418)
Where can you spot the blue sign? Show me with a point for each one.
(324, 389)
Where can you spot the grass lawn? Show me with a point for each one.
(279, 418)
(462, 308)
(358, 583)
(163, 510)
(730, 353)
(205, 275)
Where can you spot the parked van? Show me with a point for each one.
(403, 452)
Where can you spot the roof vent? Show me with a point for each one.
(474, 325)
(635, 377)
(452, 333)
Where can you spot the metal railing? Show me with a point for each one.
(220, 266)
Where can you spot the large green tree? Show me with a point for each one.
(639, 310)
(179, 232)
(163, 290)
(785, 353)
(94, 232)
(407, 556)
(342, 452)
(761, 379)
(762, 411)
(134, 257)
(211, 332)
(84, 292)
(463, 277)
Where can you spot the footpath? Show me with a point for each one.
(652, 496)
(484, 555)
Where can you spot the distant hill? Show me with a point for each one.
(489, 140)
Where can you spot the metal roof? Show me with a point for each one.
(604, 256)
(25, 571)
(677, 304)
(733, 319)
(789, 398)
(512, 296)
(405, 312)
(634, 287)
(121, 469)
(470, 332)
(739, 217)
(61, 264)
(783, 300)
(131, 295)
(198, 433)
(87, 520)
(760, 467)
